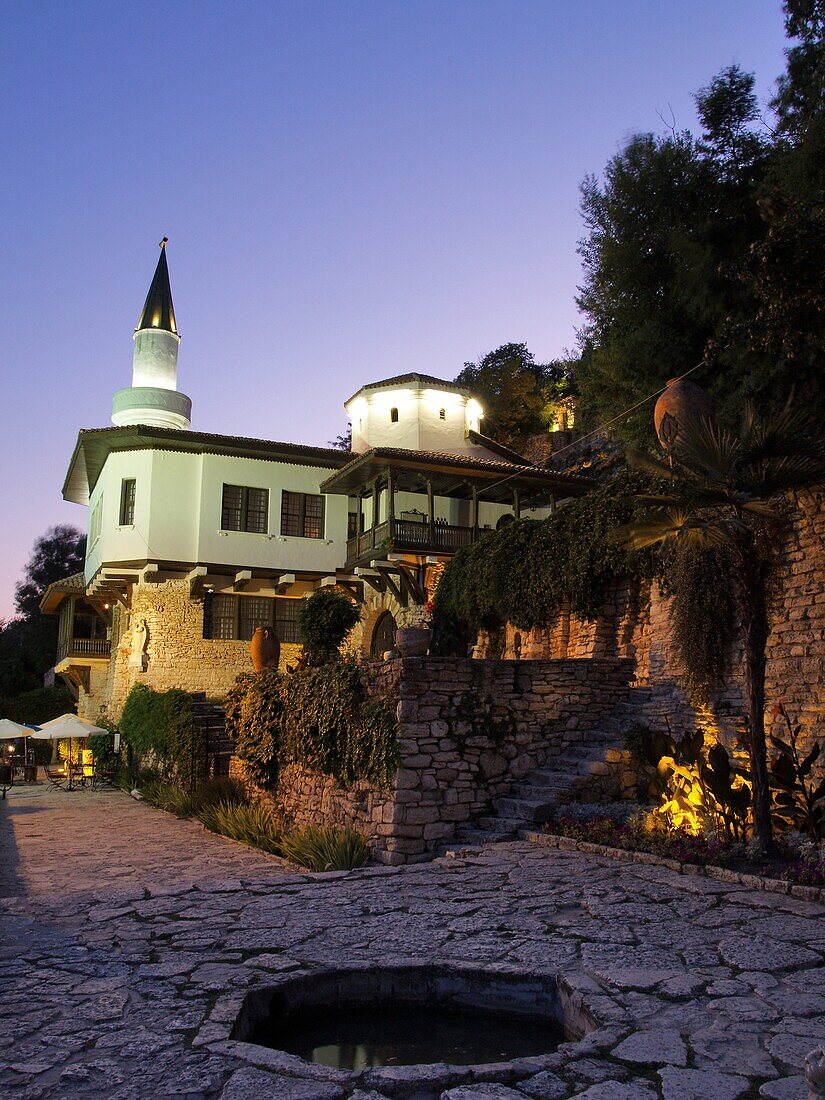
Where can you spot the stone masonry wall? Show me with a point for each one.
(468, 731)
(635, 623)
(177, 654)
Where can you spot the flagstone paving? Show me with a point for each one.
(128, 938)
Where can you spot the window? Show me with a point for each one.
(394, 415)
(302, 515)
(127, 501)
(244, 509)
(352, 524)
(237, 617)
(95, 522)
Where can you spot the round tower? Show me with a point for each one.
(153, 397)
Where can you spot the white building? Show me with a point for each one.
(196, 539)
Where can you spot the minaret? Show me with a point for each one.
(153, 397)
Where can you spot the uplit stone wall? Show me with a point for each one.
(176, 653)
(468, 731)
(635, 623)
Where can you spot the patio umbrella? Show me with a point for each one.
(67, 726)
(10, 731)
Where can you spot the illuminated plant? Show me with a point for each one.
(798, 800)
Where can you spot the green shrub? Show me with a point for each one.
(163, 723)
(168, 796)
(325, 848)
(103, 750)
(320, 718)
(38, 706)
(250, 824)
(324, 621)
(252, 720)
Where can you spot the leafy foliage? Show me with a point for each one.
(164, 723)
(324, 620)
(799, 800)
(527, 571)
(178, 800)
(325, 848)
(722, 491)
(703, 613)
(320, 718)
(516, 392)
(37, 706)
(643, 836)
(252, 825)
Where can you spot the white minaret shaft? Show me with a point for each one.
(153, 397)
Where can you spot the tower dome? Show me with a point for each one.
(153, 397)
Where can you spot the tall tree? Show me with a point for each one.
(515, 391)
(28, 643)
(667, 230)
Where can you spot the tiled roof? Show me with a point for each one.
(68, 585)
(406, 379)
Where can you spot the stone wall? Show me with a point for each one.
(176, 653)
(635, 624)
(468, 731)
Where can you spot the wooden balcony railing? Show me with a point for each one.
(83, 647)
(404, 534)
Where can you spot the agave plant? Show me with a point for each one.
(725, 489)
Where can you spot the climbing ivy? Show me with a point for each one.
(528, 570)
(318, 717)
(703, 613)
(162, 723)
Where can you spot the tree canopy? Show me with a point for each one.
(516, 391)
(706, 249)
(28, 643)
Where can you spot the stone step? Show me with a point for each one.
(526, 810)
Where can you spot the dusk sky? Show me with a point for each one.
(350, 190)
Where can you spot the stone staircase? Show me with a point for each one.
(579, 775)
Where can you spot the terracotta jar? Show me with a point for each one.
(264, 648)
(413, 641)
(683, 400)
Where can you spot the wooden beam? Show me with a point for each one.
(284, 581)
(242, 579)
(390, 497)
(376, 580)
(149, 573)
(195, 578)
(474, 512)
(516, 504)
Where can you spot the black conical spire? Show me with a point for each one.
(158, 311)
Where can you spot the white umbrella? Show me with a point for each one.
(67, 725)
(10, 731)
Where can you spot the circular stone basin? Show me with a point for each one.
(408, 1016)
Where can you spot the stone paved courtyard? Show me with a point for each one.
(127, 940)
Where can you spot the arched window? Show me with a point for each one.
(383, 636)
(442, 414)
(504, 520)
(394, 415)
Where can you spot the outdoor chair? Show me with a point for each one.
(57, 777)
(104, 779)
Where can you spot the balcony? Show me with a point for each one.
(434, 537)
(83, 647)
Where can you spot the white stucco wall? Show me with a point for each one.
(419, 426)
(178, 513)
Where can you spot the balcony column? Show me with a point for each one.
(431, 511)
(391, 503)
(375, 499)
(474, 513)
(516, 504)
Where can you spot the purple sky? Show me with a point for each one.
(351, 190)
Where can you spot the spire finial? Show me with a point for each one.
(158, 311)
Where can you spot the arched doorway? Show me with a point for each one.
(383, 636)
